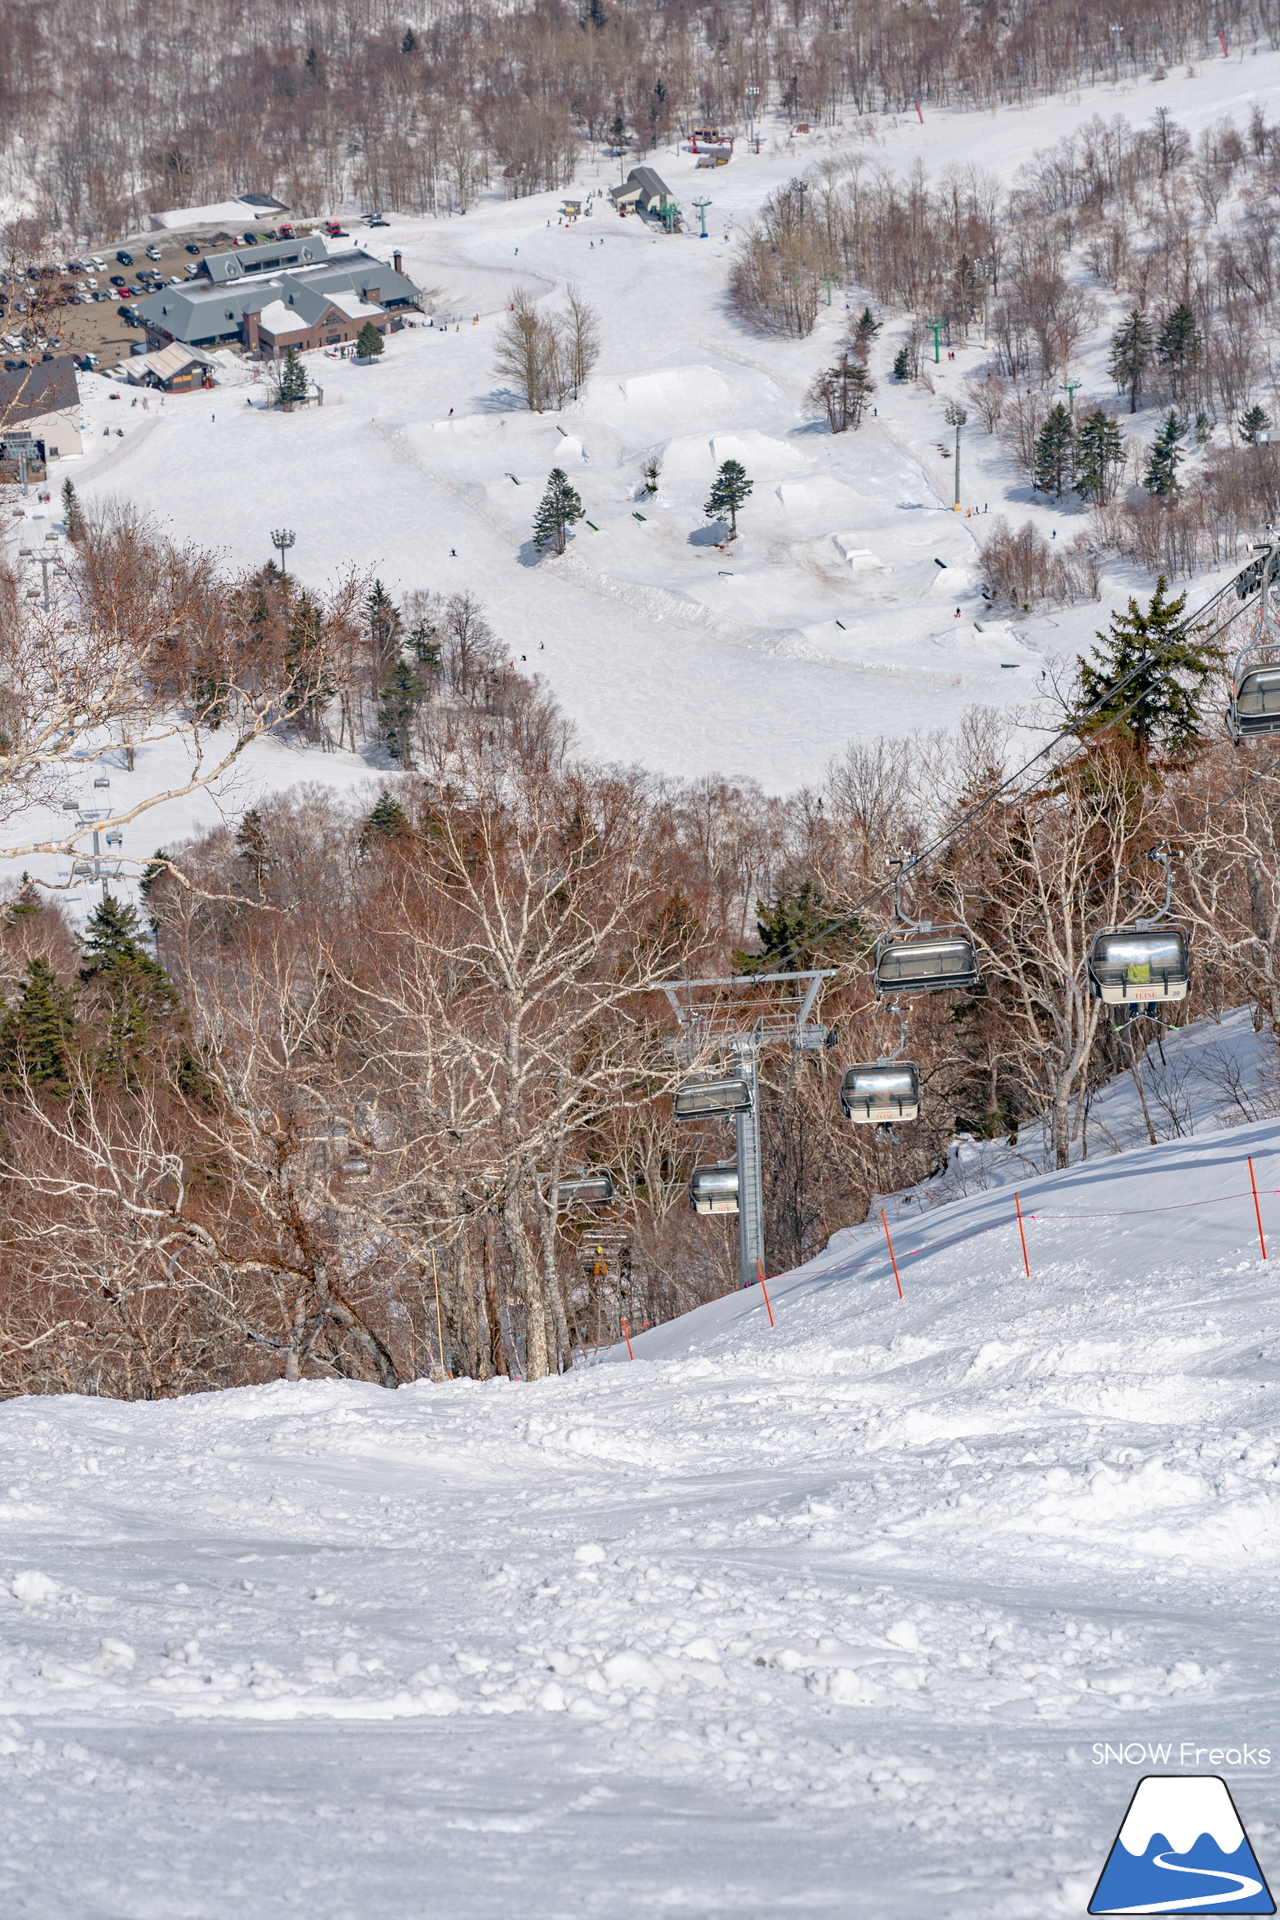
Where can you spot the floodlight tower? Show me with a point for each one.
(739, 1016)
(282, 539)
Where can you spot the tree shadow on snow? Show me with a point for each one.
(713, 536)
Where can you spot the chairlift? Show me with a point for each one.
(1253, 706)
(722, 1098)
(355, 1168)
(589, 1188)
(882, 1091)
(1145, 963)
(714, 1189)
(943, 961)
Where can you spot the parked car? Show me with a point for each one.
(118, 280)
(96, 260)
(153, 252)
(191, 268)
(376, 220)
(191, 248)
(125, 259)
(251, 239)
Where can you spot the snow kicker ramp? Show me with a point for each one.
(880, 1611)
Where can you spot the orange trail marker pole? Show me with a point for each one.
(627, 1337)
(1026, 1263)
(765, 1291)
(894, 1263)
(439, 1329)
(1257, 1209)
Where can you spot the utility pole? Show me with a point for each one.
(935, 327)
(956, 416)
(739, 1016)
(282, 539)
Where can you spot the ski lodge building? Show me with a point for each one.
(642, 192)
(291, 293)
(41, 403)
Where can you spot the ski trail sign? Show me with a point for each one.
(1181, 1849)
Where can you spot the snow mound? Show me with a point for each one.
(852, 548)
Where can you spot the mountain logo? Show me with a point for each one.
(1181, 1849)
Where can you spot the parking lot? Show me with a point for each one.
(95, 326)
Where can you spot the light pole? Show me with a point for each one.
(987, 268)
(702, 206)
(282, 539)
(955, 417)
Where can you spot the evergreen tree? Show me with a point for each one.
(1055, 452)
(866, 330)
(253, 848)
(72, 512)
(729, 490)
(1161, 476)
(306, 661)
(111, 941)
(402, 695)
(369, 342)
(793, 934)
(388, 821)
(1203, 428)
(1179, 346)
(293, 379)
(1099, 457)
(426, 647)
(595, 15)
(902, 364)
(1253, 421)
(410, 42)
(37, 1031)
(1159, 708)
(382, 619)
(131, 989)
(1130, 356)
(25, 902)
(559, 508)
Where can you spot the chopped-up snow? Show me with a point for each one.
(882, 1611)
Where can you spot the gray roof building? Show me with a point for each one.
(211, 308)
(643, 188)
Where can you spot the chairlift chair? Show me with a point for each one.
(714, 1189)
(592, 1188)
(712, 1099)
(942, 961)
(1146, 962)
(1253, 706)
(882, 1091)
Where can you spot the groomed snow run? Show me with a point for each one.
(835, 1617)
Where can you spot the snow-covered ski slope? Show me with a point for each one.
(851, 1615)
(828, 619)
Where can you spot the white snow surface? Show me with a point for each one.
(842, 1615)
